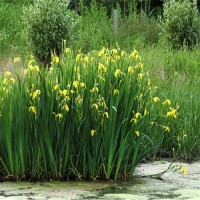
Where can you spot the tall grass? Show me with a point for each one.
(177, 75)
(12, 37)
(96, 29)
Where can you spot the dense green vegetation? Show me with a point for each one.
(32, 136)
(12, 36)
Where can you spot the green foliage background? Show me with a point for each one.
(175, 72)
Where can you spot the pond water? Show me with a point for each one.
(180, 181)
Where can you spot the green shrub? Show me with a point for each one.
(48, 23)
(181, 23)
(95, 118)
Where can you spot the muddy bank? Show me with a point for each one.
(148, 182)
